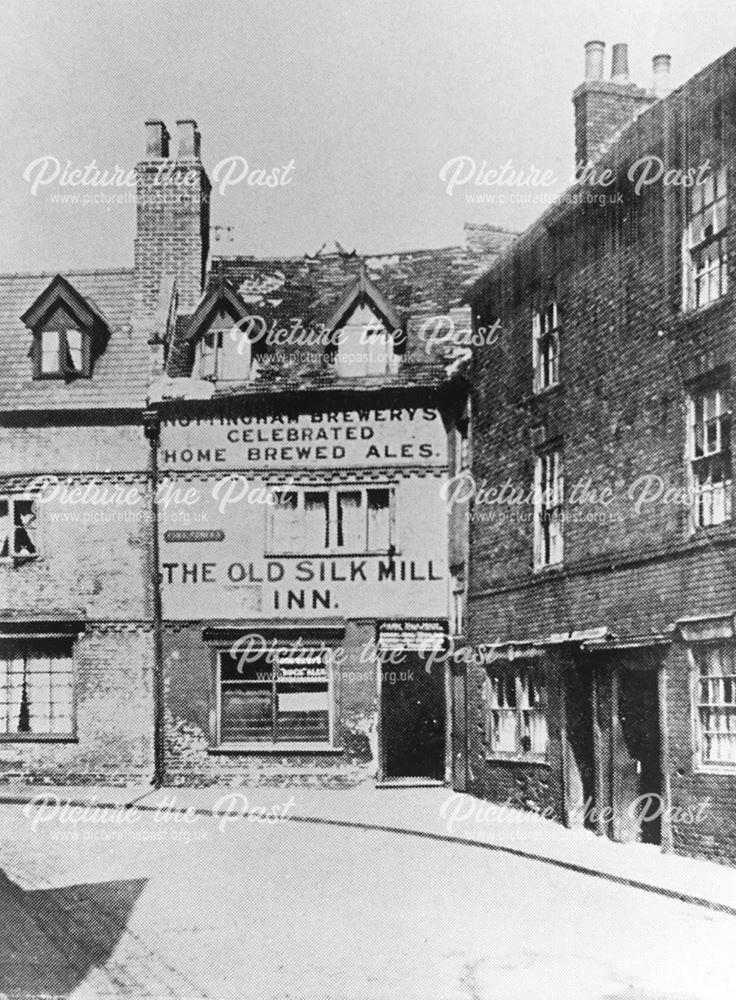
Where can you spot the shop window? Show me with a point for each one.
(282, 696)
(516, 722)
(18, 528)
(36, 692)
(548, 513)
(715, 705)
(705, 243)
(546, 347)
(353, 519)
(709, 447)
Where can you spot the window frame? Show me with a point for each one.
(380, 333)
(332, 492)
(65, 369)
(709, 458)
(31, 643)
(12, 499)
(694, 266)
(502, 671)
(543, 539)
(700, 765)
(546, 347)
(265, 746)
(220, 335)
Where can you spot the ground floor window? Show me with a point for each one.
(715, 715)
(516, 722)
(280, 696)
(36, 691)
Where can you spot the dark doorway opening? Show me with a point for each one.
(413, 717)
(637, 770)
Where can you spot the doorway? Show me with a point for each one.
(412, 717)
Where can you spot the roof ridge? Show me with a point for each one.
(78, 272)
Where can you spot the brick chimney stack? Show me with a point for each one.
(173, 219)
(603, 107)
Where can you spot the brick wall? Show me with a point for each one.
(628, 356)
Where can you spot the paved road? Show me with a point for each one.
(288, 910)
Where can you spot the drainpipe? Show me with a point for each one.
(152, 430)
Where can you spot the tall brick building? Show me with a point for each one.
(603, 552)
(217, 538)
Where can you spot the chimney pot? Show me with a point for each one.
(594, 52)
(620, 63)
(189, 139)
(661, 70)
(157, 139)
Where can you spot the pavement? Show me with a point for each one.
(427, 813)
(363, 894)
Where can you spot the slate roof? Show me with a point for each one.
(121, 373)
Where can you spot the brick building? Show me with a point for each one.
(602, 586)
(256, 554)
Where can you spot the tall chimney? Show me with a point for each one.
(661, 70)
(594, 52)
(172, 220)
(604, 107)
(620, 63)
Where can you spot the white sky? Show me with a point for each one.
(369, 99)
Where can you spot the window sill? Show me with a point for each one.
(551, 568)
(275, 748)
(331, 553)
(36, 738)
(512, 758)
(726, 770)
(547, 390)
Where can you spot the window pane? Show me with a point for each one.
(245, 713)
(286, 521)
(351, 533)
(316, 521)
(24, 518)
(74, 346)
(50, 356)
(379, 520)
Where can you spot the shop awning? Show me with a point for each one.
(706, 628)
(628, 642)
(228, 631)
(31, 624)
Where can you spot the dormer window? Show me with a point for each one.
(224, 355)
(367, 332)
(68, 332)
(365, 347)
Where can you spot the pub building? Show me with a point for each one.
(300, 406)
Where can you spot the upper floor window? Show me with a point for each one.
(715, 704)
(62, 353)
(516, 721)
(705, 251)
(350, 519)
(18, 528)
(548, 515)
(224, 355)
(709, 451)
(546, 347)
(365, 347)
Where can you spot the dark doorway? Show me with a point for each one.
(580, 764)
(413, 717)
(637, 773)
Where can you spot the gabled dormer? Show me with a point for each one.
(68, 332)
(218, 337)
(366, 332)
